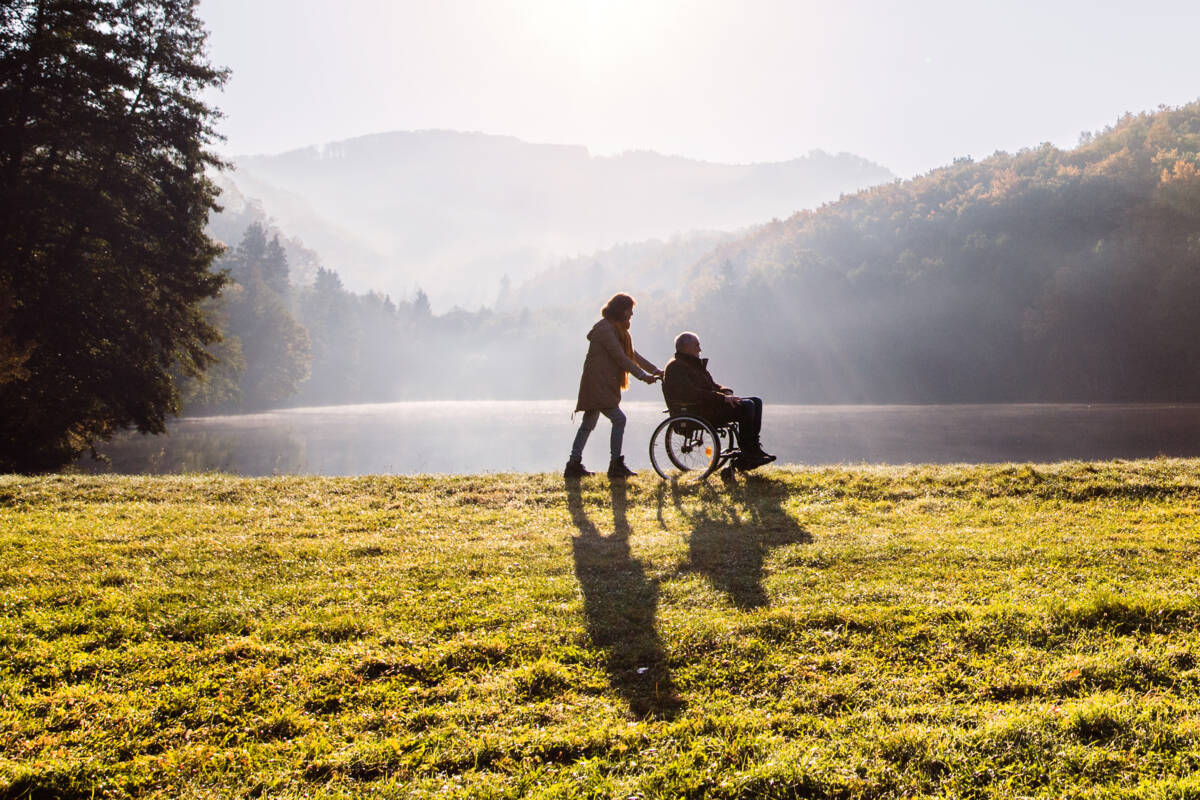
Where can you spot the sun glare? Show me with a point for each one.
(605, 40)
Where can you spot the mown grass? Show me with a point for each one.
(990, 631)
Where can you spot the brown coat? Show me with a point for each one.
(604, 369)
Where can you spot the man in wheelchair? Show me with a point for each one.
(686, 381)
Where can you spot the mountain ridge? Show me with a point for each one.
(454, 212)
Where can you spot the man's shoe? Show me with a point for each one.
(755, 449)
(575, 469)
(752, 460)
(617, 469)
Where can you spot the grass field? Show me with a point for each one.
(982, 631)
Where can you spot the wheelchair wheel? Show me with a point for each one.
(685, 446)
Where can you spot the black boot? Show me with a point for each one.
(575, 470)
(753, 457)
(617, 468)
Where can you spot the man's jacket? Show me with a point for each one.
(686, 380)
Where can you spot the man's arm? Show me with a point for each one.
(681, 386)
(725, 393)
(719, 388)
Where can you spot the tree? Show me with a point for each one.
(262, 257)
(273, 350)
(12, 356)
(334, 323)
(103, 202)
(219, 388)
(275, 267)
(248, 256)
(421, 310)
(275, 346)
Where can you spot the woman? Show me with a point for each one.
(610, 359)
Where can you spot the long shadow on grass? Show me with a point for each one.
(620, 603)
(732, 531)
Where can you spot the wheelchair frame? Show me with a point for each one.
(688, 444)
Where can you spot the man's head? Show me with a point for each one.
(688, 344)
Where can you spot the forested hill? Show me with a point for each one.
(453, 213)
(1047, 275)
(1064, 275)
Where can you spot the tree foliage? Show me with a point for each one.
(264, 354)
(103, 202)
(275, 346)
(1045, 275)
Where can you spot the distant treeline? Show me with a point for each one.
(1047, 275)
(319, 344)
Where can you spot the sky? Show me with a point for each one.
(910, 85)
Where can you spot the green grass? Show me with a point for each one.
(991, 631)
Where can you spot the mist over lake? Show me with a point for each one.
(534, 436)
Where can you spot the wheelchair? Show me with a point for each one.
(686, 444)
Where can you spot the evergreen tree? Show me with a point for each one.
(421, 310)
(274, 347)
(103, 201)
(275, 267)
(263, 257)
(334, 322)
(248, 258)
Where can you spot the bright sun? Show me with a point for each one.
(606, 40)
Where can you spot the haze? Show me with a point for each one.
(456, 188)
(909, 85)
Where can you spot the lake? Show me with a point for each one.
(535, 436)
